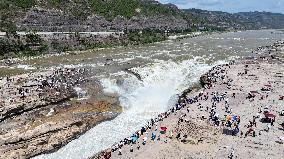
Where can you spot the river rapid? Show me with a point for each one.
(158, 73)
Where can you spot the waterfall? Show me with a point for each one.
(142, 99)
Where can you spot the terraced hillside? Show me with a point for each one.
(89, 15)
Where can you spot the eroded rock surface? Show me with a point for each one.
(49, 113)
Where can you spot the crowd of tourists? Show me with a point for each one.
(230, 122)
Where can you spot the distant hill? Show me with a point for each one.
(90, 15)
(242, 20)
(142, 21)
(104, 15)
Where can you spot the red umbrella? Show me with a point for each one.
(269, 115)
(164, 128)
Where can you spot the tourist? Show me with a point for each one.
(119, 151)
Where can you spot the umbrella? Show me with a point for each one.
(229, 117)
(235, 118)
(153, 136)
(134, 138)
(269, 115)
(164, 128)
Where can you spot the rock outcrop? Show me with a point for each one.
(49, 114)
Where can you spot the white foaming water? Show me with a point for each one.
(25, 67)
(81, 94)
(141, 100)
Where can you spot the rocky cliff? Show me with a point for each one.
(123, 15)
(93, 15)
(39, 19)
(140, 21)
(40, 117)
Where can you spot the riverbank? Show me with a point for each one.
(238, 113)
(27, 64)
(25, 44)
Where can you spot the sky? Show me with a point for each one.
(232, 6)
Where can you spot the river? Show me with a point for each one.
(166, 69)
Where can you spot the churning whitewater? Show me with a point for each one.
(141, 99)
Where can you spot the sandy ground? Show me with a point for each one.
(263, 75)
